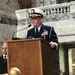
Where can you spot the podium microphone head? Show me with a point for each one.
(29, 25)
(14, 71)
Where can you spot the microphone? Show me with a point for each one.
(16, 38)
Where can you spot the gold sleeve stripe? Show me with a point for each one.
(50, 32)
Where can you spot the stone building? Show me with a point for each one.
(59, 13)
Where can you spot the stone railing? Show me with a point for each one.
(56, 9)
(54, 12)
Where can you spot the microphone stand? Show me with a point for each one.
(18, 31)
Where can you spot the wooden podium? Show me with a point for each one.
(31, 56)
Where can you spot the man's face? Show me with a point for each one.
(4, 48)
(36, 21)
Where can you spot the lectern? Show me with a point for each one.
(31, 56)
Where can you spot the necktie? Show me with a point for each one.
(36, 30)
(5, 58)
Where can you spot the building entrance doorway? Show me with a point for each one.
(67, 58)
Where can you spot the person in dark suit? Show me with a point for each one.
(40, 30)
(3, 60)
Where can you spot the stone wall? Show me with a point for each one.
(6, 32)
(9, 5)
(8, 25)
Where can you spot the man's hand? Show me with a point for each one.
(53, 44)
